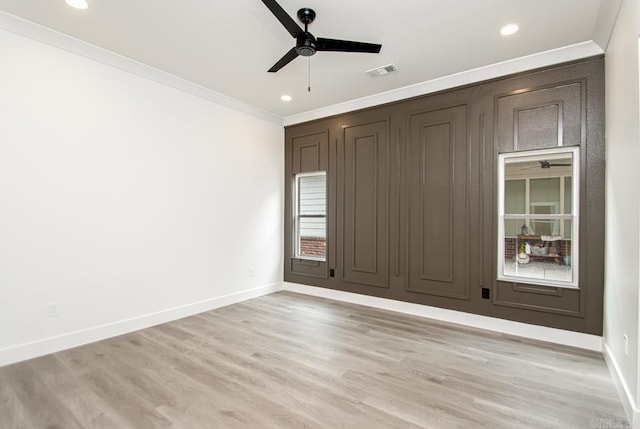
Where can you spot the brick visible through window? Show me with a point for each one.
(313, 246)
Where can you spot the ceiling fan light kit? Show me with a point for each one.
(306, 43)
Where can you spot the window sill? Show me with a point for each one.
(537, 282)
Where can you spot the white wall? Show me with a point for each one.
(126, 201)
(622, 249)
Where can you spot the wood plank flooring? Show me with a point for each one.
(292, 361)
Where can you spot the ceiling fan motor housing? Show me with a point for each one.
(306, 44)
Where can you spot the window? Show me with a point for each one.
(310, 217)
(538, 198)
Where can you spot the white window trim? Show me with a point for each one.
(548, 154)
(297, 216)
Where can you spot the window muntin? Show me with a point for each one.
(310, 217)
(538, 217)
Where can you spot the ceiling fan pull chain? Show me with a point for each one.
(309, 77)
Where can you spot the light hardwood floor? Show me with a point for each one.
(288, 360)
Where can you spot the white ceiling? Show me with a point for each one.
(228, 45)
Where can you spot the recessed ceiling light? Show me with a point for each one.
(78, 4)
(285, 98)
(509, 29)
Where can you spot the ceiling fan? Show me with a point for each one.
(546, 164)
(306, 44)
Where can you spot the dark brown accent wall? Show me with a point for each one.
(412, 210)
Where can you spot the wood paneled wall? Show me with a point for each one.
(412, 210)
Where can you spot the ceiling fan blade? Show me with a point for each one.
(347, 46)
(292, 27)
(286, 59)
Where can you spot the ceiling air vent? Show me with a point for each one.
(381, 71)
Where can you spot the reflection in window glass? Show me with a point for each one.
(567, 195)
(514, 202)
(545, 193)
(514, 196)
(537, 241)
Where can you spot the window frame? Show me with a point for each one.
(574, 216)
(297, 216)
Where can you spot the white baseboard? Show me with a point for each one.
(45, 346)
(628, 401)
(541, 333)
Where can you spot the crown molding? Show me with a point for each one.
(68, 43)
(492, 71)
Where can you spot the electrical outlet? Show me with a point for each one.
(52, 309)
(252, 272)
(626, 344)
(486, 293)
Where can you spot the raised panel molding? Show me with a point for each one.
(309, 156)
(436, 202)
(438, 227)
(528, 132)
(362, 220)
(479, 224)
(540, 298)
(309, 153)
(540, 118)
(364, 204)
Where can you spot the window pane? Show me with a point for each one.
(568, 229)
(540, 256)
(545, 196)
(567, 195)
(311, 219)
(312, 195)
(544, 227)
(512, 227)
(536, 217)
(514, 197)
(313, 227)
(313, 238)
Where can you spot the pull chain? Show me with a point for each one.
(309, 76)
